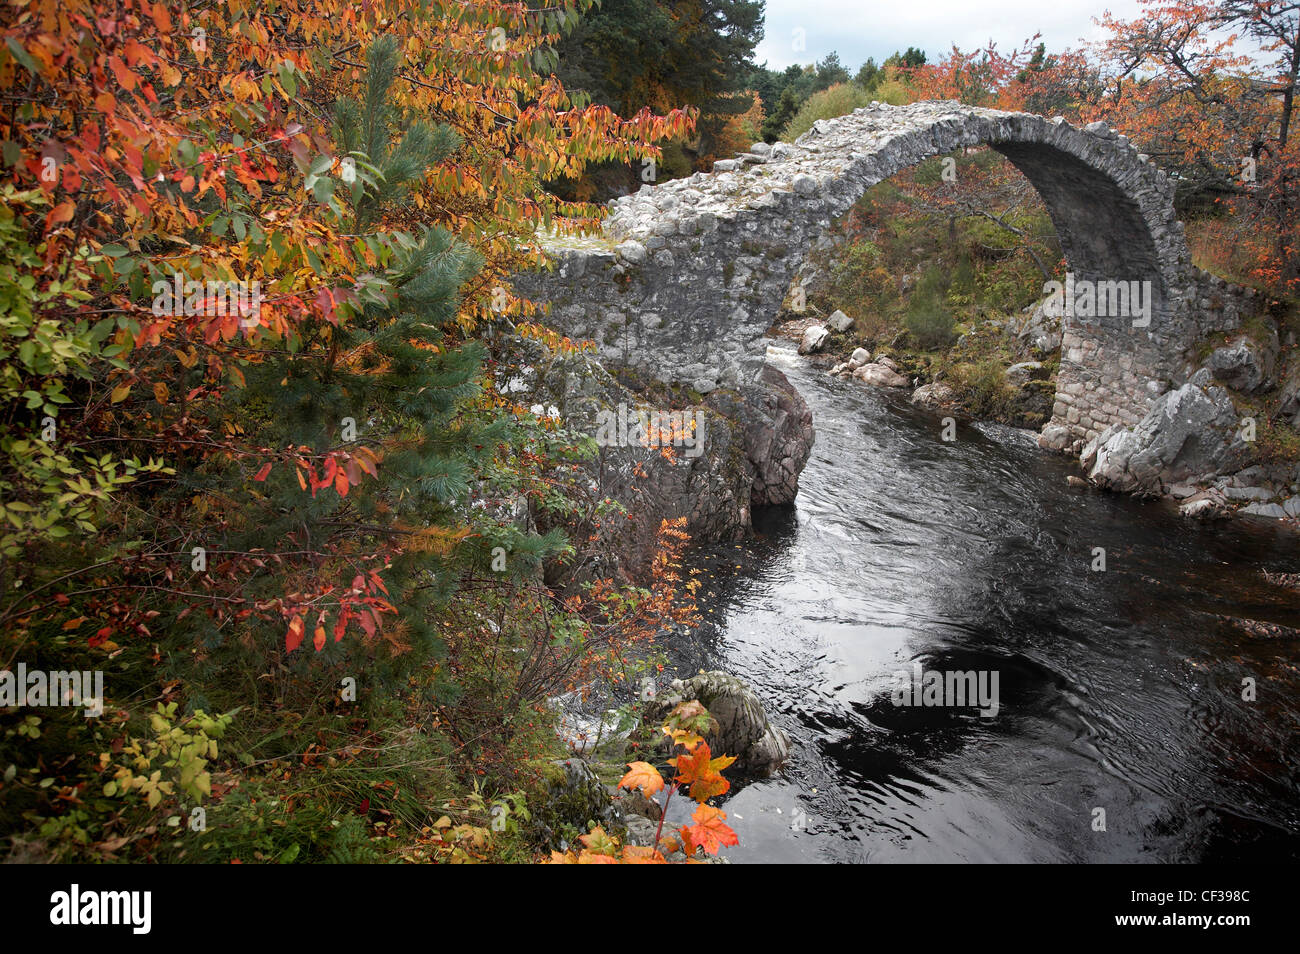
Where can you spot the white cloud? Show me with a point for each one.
(857, 29)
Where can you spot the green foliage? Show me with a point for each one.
(173, 762)
(982, 387)
(928, 320)
(44, 493)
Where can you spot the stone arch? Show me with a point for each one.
(686, 277)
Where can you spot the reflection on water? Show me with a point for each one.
(1119, 689)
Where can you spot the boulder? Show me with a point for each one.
(1037, 329)
(1024, 372)
(1189, 433)
(778, 434)
(839, 322)
(1206, 505)
(880, 376)
(1276, 511)
(1244, 365)
(859, 357)
(814, 339)
(742, 729)
(935, 395)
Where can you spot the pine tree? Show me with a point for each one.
(384, 372)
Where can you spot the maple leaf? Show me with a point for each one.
(644, 776)
(638, 855)
(599, 842)
(702, 772)
(709, 831)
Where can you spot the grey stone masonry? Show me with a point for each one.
(687, 276)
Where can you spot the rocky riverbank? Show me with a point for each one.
(1224, 442)
(664, 453)
(583, 789)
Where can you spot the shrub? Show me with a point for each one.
(928, 320)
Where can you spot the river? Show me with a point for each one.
(1119, 690)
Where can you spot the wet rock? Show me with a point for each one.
(859, 357)
(880, 376)
(936, 395)
(1244, 365)
(1188, 433)
(1266, 510)
(1206, 505)
(814, 339)
(742, 729)
(777, 429)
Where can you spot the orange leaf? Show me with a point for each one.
(120, 70)
(318, 638)
(644, 776)
(709, 832)
(161, 18)
(61, 213)
(261, 474)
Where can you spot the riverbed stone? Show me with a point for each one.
(742, 728)
(1191, 432)
(937, 395)
(880, 376)
(814, 339)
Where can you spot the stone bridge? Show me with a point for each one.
(687, 276)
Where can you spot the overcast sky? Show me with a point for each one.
(857, 29)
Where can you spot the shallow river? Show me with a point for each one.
(1118, 689)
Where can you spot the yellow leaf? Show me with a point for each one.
(119, 393)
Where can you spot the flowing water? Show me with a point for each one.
(1118, 689)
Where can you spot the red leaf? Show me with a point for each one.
(293, 639)
(261, 474)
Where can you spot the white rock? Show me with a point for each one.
(880, 376)
(838, 321)
(814, 339)
(631, 251)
